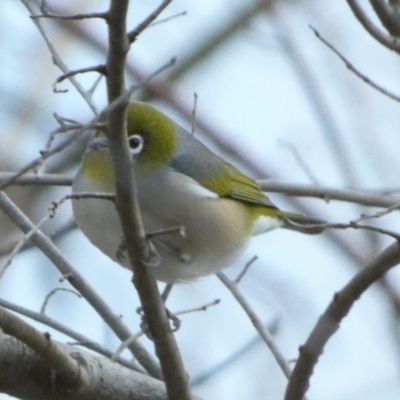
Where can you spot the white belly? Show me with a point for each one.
(215, 229)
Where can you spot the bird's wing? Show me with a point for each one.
(211, 171)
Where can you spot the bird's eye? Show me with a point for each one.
(136, 144)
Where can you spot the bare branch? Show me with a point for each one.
(123, 98)
(392, 43)
(228, 361)
(20, 244)
(140, 254)
(102, 15)
(389, 18)
(372, 199)
(350, 66)
(77, 281)
(300, 161)
(52, 293)
(363, 197)
(315, 94)
(245, 269)
(68, 369)
(81, 339)
(133, 34)
(330, 320)
(257, 323)
(101, 69)
(166, 19)
(28, 377)
(58, 61)
(37, 179)
(204, 307)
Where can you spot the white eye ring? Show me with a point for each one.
(136, 144)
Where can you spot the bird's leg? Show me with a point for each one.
(183, 256)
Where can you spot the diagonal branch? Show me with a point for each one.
(257, 323)
(353, 69)
(68, 369)
(66, 330)
(28, 377)
(134, 33)
(58, 61)
(76, 280)
(330, 320)
(390, 42)
(389, 18)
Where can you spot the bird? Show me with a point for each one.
(204, 209)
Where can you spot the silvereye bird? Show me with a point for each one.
(180, 183)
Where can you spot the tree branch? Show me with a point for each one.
(366, 198)
(257, 323)
(27, 377)
(80, 339)
(350, 66)
(392, 43)
(137, 247)
(68, 369)
(390, 19)
(77, 281)
(358, 196)
(330, 320)
(58, 61)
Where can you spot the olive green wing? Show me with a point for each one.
(233, 184)
(195, 160)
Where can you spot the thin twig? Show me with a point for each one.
(52, 293)
(366, 198)
(134, 33)
(381, 213)
(245, 269)
(356, 225)
(204, 307)
(58, 61)
(136, 336)
(20, 244)
(125, 344)
(37, 179)
(315, 93)
(7, 247)
(236, 356)
(350, 66)
(166, 292)
(101, 69)
(166, 19)
(257, 323)
(102, 15)
(300, 161)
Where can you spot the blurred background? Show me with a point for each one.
(275, 101)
